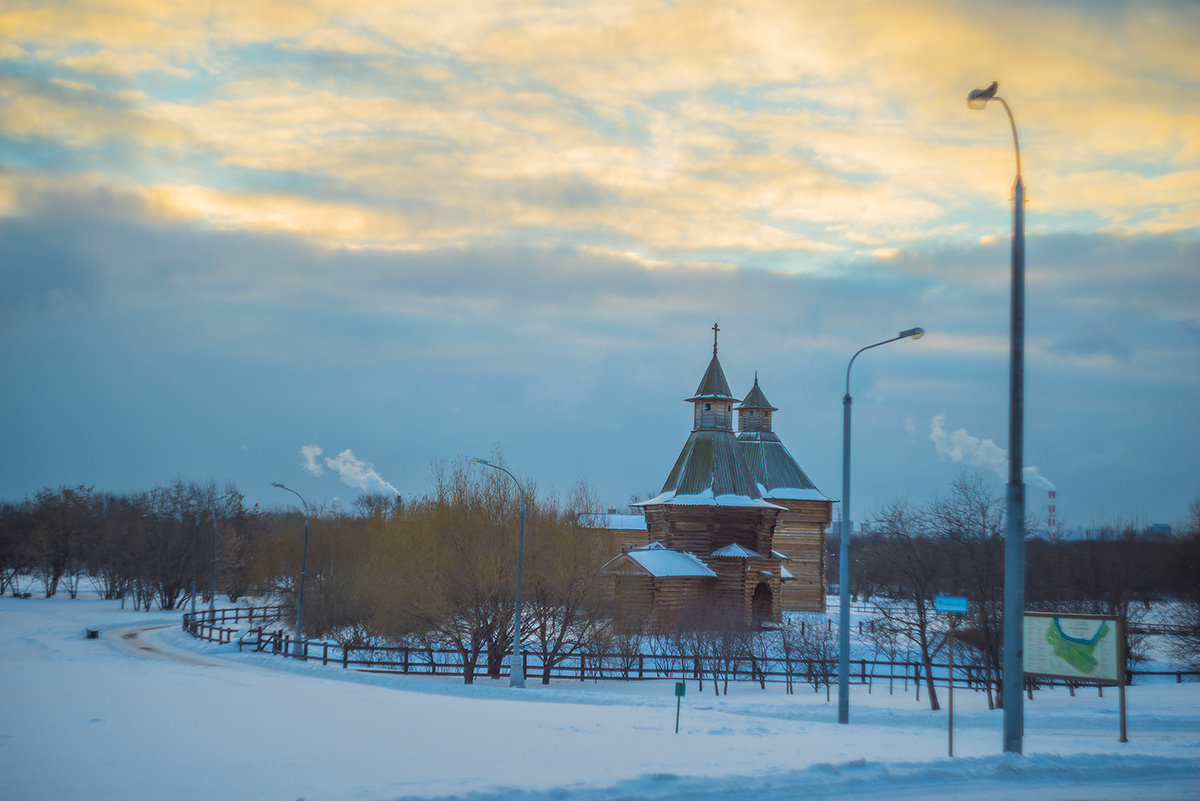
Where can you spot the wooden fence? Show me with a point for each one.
(583, 665)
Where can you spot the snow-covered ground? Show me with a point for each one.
(158, 715)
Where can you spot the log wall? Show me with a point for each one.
(700, 530)
(800, 536)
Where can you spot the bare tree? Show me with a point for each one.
(451, 563)
(567, 605)
(1186, 645)
(64, 520)
(917, 567)
(788, 638)
(16, 531)
(817, 648)
(969, 522)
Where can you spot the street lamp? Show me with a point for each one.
(195, 557)
(299, 648)
(516, 671)
(212, 598)
(1014, 537)
(844, 545)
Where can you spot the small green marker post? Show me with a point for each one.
(680, 689)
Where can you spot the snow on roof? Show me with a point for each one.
(661, 562)
(782, 556)
(786, 574)
(793, 494)
(614, 521)
(707, 498)
(735, 551)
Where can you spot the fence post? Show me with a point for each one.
(641, 665)
(345, 657)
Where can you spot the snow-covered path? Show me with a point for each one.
(88, 719)
(139, 640)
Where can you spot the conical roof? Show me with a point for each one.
(756, 399)
(710, 470)
(713, 385)
(772, 469)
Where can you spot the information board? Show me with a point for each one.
(1085, 647)
(952, 604)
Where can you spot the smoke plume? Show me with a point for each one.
(357, 473)
(350, 469)
(959, 446)
(310, 453)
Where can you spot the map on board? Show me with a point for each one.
(1072, 647)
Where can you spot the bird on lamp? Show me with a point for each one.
(979, 97)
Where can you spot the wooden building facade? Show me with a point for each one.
(737, 532)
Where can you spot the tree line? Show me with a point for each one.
(954, 545)
(439, 570)
(148, 547)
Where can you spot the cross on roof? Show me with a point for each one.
(716, 328)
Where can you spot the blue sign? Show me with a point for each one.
(950, 603)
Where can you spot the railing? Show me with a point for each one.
(581, 666)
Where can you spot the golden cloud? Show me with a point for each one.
(758, 125)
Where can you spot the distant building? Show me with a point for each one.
(738, 529)
(1158, 531)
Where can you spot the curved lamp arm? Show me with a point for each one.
(978, 98)
(303, 502)
(915, 333)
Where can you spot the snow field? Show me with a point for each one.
(100, 719)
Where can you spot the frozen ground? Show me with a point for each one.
(161, 716)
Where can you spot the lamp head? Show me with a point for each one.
(477, 460)
(277, 484)
(979, 97)
(914, 333)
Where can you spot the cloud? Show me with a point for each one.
(667, 130)
(310, 454)
(519, 340)
(960, 446)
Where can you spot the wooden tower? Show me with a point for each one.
(711, 508)
(800, 528)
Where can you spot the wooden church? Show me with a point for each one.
(737, 532)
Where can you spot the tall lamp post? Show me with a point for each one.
(516, 670)
(1014, 537)
(299, 648)
(195, 557)
(844, 545)
(212, 598)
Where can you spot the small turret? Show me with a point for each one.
(755, 412)
(713, 399)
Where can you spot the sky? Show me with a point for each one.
(333, 244)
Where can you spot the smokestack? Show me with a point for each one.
(1051, 523)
